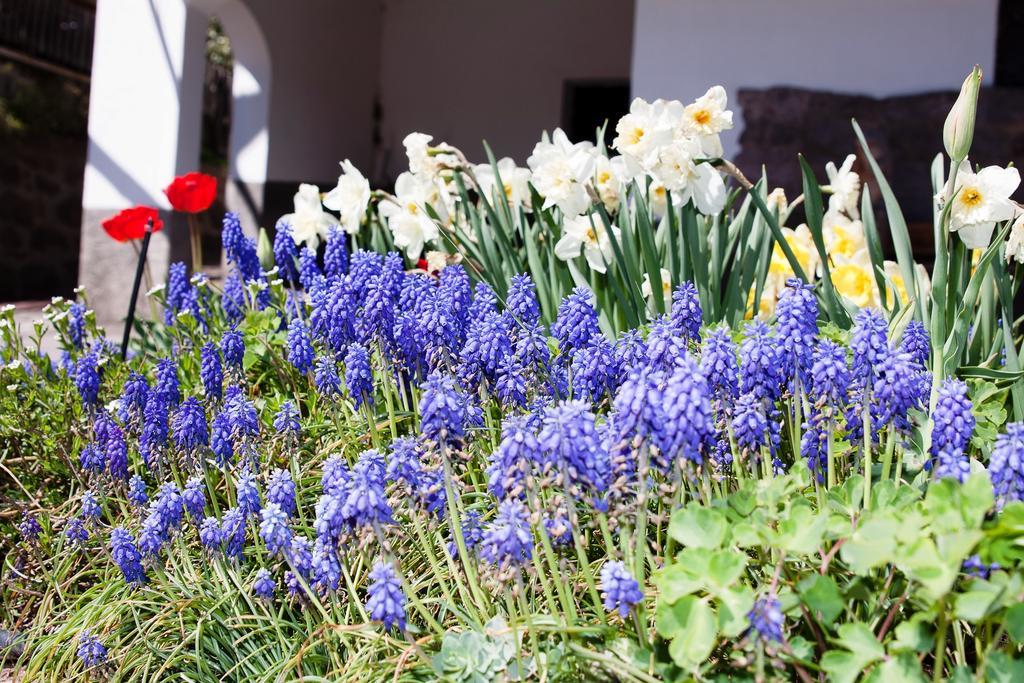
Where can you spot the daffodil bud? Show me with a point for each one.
(958, 132)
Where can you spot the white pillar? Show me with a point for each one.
(144, 128)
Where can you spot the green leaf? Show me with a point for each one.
(867, 214)
(1014, 622)
(872, 545)
(802, 531)
(859, 639)
(733, 607)
(897, 226)
(681, 578)
(822, 597)
(698, 527)
(921, 561)
(690, 625)
(863, 650)
(773, 225)
(1002, 668)
(915, 635)
(901, 669)
(747, 534)
(973, 605)
(814, 213)
(724, 568)
(955, 507)
(841, 666)
(652, 260)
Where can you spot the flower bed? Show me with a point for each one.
(551, 449)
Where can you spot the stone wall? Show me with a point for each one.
(43, 143)
(904, 133)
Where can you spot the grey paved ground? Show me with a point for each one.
(27, 312)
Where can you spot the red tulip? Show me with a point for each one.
(192, 192)
(130, 224)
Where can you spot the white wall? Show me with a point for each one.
(469, 70)
(873, 47)
(139, 115)
(144, 114)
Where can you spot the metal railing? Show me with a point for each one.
(50, 32)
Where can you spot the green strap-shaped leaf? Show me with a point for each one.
(814, 212)
(897, 224)
(867, 215)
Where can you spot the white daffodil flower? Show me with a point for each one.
(586, 234)
(981, 200)
(707, 189)
(560, 171)
(436, 261)
(705, 118)
(425, 159)
(309, 223)
(675, 165)
(609, 181)
(350, 197)
(514, 180)
(658, 198)
(647, 127)
(845, 187)
(1015, 243)
(842, 235)
(854, 278)
(407, 219)
(678, 172)
(801, 243)
(666, 285)
(894, 275)
(777, 200)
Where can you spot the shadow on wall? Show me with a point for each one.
(904, 132)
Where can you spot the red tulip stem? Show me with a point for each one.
(130, 320)
(197, 243)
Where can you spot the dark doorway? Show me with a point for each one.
(587, 105)
(1009, 56)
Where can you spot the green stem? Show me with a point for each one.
(867, 449)
(455, 521)
(510, 606)
(830, 455)
(525, 609)
(890, 447)
(940, 645)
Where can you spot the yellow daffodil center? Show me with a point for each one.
(508, 190)
(603, 177)
(591, 236)
(971, 196)
(901, 289)
(702, 117)
(844, 243)
(854, 283)
(635, 135)
(412, 208)
(780, 264)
